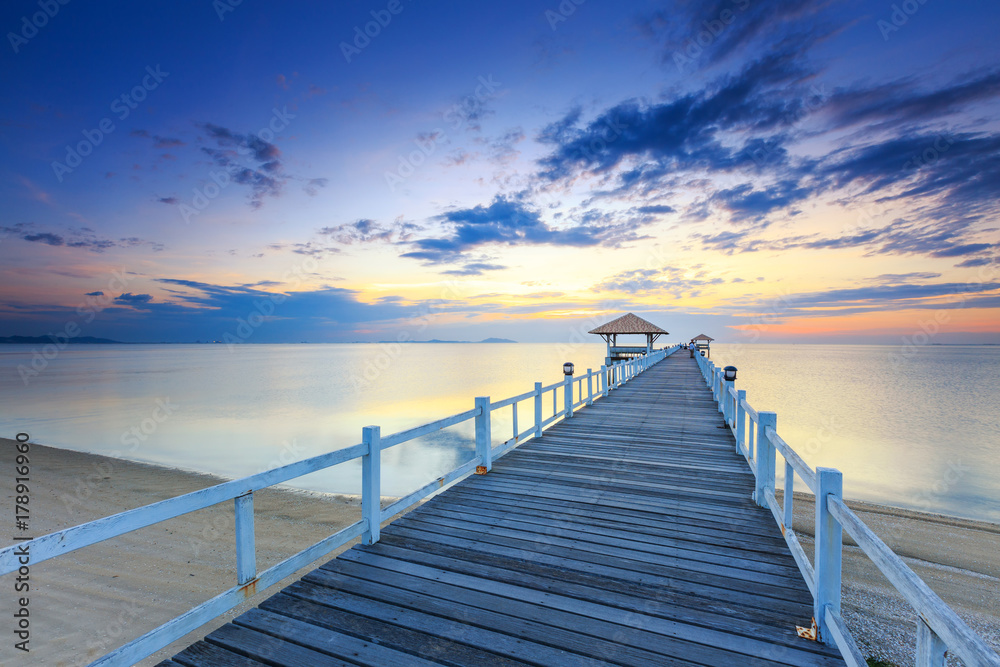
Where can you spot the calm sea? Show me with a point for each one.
(918, 430)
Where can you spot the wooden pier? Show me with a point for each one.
(623, 535)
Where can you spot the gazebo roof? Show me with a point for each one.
(703, 337)
(629, 324)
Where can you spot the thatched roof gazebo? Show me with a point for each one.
(626, 325)
(702, 342)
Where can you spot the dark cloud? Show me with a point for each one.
(962, 250)
(98, 293)
(668, 280)
(744, 202)
(218, 306)
(369, 231)
(660, 208)
(509, 221)
(894, 296)
(905, 277)
(309, 248)
(44, 237)
(313, 185)
(167, 142)
(168, 200)
(980, 261)
(474, 269)
(158, 141)
(903, 101)
(252, 162)
(693, 33)
(129, 299)
(83, 237)
(503, 149)
(686, 133)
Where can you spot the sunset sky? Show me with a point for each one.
(758, 171)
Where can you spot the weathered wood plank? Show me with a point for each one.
(626, 534)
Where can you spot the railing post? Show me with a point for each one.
(484, 435)
(789, 495)
(727, 412)
(371, 483)
(930, 648)
(538, 409)
(829, 548)
(590, 386)
(741, 418)
(604, 380)
(568, 395)
(723, 387)
(765, 457)
(246, 553)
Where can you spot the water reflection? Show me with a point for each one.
(237, 413)
(921, 433)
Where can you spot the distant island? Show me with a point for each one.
(45, 340)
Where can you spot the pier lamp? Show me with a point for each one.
(568, 368)
(729, 373)
(703, 353)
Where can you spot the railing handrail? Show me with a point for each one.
(241, 492)
(106, 528)
(941, 618)
(939, 627)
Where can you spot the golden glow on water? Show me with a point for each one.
(916, 428)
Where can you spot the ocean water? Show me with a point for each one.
(919, 429)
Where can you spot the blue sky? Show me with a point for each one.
(784, 171)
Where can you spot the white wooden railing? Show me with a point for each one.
(240, 491)
(939, 628)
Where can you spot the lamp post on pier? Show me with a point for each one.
(568, 389)
(728, 408)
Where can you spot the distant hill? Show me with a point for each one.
(497, 340)
(45, 340)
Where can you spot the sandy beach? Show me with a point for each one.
(95, 599)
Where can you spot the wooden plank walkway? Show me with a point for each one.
(625, 535)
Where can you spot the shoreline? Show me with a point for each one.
(90, 601)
